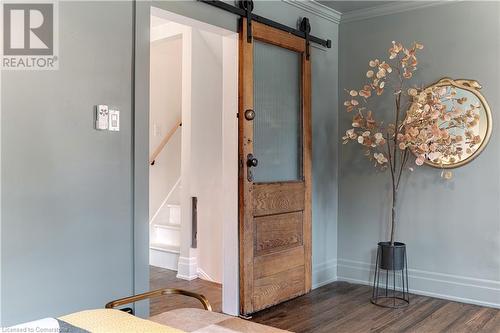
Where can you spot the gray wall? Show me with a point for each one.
(452, 228)
(67, 240)
(74, 200)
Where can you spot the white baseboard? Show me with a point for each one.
(324, 273)
(452, 287)
(204, 276)
(187, 269)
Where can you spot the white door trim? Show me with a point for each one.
(230, 247)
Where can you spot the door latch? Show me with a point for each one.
(251, 162)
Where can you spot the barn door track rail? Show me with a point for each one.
(245, 9)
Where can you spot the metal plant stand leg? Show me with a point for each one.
(391, 259)
(375, 279)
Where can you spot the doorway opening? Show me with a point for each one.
(193, 173)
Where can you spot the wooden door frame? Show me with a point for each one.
(285, 40)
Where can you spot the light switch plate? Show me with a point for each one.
(114, 120)
(101, 117)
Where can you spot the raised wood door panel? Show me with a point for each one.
(277, 232)
(276, 198)
(274, 206)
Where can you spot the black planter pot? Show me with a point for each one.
(390, 284)
(392, 257)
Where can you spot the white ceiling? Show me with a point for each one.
(350, 6)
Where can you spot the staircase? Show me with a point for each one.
(165, 226)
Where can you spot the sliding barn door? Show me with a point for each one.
(275, 168)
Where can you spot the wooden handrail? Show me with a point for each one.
(163, 142)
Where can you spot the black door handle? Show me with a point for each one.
(252, 161)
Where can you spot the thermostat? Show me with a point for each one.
(101, 117)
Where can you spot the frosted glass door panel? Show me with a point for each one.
(277, 105)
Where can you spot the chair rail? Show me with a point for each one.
(159, 292)
(164, 142)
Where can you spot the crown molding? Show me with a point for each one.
(330, 14)
(317, 9)
(390, 8)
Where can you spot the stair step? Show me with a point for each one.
(164, 256)
(166, 234)
(165, 227)
(168, 215)
(170, 226)
(165, 247)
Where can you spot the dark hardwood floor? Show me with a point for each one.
(346, 307)
(164, 278)
(341, 307)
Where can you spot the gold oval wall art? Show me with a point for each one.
(467, 121)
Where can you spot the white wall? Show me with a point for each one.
(206, 153)
(165, 110)
(197, 90)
